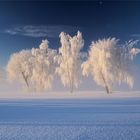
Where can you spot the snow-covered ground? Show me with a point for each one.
(70, 119)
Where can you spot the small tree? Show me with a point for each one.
(109, 63)
(69, 60)
(43, 66)
(19, 67)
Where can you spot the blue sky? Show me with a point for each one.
(24, 24)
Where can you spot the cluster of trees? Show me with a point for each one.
(107, 61)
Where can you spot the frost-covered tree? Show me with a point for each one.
(109, 62)
(35, 67)
(19, 67)
(43, 66)
(69, 59)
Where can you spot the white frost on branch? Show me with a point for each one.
(43, 66)
(69, 68)
(19, 67)
(110, 63)
(35, 67)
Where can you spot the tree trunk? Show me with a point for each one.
(107, 89)
(25, 78)
(106, 86)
